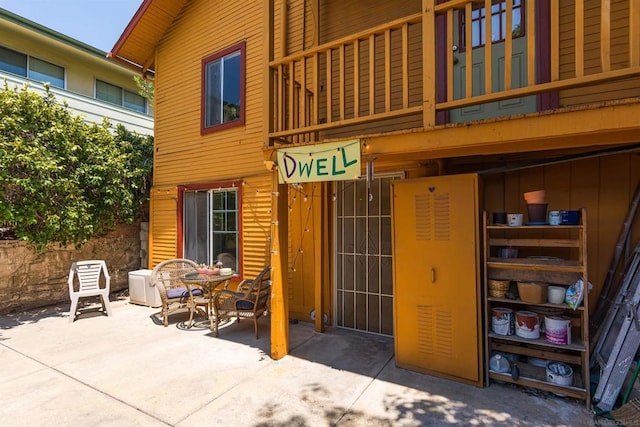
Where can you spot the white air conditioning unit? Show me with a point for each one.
(140, 290)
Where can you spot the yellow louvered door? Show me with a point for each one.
(436, 276)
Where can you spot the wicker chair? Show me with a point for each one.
(249, 301)
(174, 293)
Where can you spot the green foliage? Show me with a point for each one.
(63, 180)
(146, 88)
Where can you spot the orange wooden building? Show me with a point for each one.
(449, 112)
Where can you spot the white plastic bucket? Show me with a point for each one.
(559, 373)
(555, 294)
(555, 218)
(527, 324)
(502, 321)
(557, 329)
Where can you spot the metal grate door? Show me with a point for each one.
(364, 282)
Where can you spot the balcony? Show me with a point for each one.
(410, 74)
(93, 110)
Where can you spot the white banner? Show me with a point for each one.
(335, 161)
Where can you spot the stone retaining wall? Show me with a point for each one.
(31, 280)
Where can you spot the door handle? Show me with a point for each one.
(433, 275)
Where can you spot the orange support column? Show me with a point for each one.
(279, 272)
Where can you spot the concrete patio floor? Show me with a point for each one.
(129, 370)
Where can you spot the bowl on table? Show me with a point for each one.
(226, 271)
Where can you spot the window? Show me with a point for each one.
(33, 68)
(46, 72)
(223, 89)
(211, 225)
(119, 96)
(498, 23)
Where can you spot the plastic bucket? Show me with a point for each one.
(559, 373)
(502, 321)
(555, 218)
(527, 324)
(557, 329)
(555, 294)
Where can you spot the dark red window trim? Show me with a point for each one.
(240, 122)
(180, 215)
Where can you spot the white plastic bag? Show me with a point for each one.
(575, 294)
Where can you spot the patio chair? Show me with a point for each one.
(250, 300)
(176, 295)
(88, 273)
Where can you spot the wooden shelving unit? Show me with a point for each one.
(556, 254)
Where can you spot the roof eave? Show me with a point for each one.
(114, 53)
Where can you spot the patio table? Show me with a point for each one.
(210, 282)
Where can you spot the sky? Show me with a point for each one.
(98, 23)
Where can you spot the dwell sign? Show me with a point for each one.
(336, 161)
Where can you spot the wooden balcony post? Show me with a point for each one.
(531, 42)
(579, 35)
(468, 53)
(634, 33)
(555, 40)
(605, 35)
(280, 269)
(269, 74)
(488, 50)
(405, 66)
(450, 75)
(372, 74)
(279, 310)
(508, 46)
(356, 78)
(328, 86)
(429, 63)
(387, 70)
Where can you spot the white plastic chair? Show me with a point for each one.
(88, 273)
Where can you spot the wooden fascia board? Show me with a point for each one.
(130, 28)
(143, 57)
(615, 124)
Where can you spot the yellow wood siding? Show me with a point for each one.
(162, 231)
(183, 156)
(256, 224)
(627, 88)
(341, 18)
(604, 186)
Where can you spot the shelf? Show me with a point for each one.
(563, 262)
(536, 243)
(576, 343)
(533, 376)
(536, 227)
(520, 302)
(547, 353)
(536, 264)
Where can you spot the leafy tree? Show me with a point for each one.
(146, 88)
(63, 180)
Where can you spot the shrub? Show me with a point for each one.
(63, 180)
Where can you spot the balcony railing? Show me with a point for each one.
(394, 70)
(92, 110)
